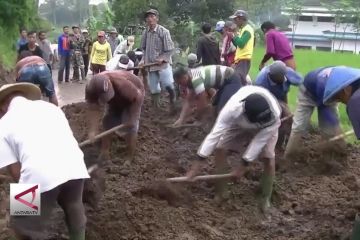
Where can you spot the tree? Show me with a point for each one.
(295, 8)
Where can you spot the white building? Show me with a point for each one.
(316, 29)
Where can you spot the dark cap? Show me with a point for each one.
(152, 11)
(123, 61)
(257, 109)
(75, 27)
(239, 13)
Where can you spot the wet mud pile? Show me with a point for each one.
(310, 202)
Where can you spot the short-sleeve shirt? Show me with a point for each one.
(279, 91)
(36, 52)
(211, 76)
(353, 112)
(37, 134)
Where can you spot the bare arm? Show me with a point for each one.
(14, 170)
(93, 114)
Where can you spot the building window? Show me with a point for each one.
(327, 49)
(302, 47)
(325, 19)
(305, 18)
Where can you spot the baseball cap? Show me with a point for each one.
(99, 88)
(239, 13)
(84, 31)
(257, 109)
(277, 68)
(219, 26)
(123, 61)
(152, 11)
(101, 34)
(192, 58)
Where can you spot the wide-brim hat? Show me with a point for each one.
(28, 90)
(239, 13)
(339, 78)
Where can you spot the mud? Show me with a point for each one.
(309, 202)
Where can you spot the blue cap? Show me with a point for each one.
(219, 26)
(340, 78)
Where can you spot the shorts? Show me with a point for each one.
(114, 117)
(39, 75)
(163, 77)
(69, 196)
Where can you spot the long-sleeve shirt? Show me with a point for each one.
(45, 47)
(157, 43)
(208, 51)
(64, 45)
(100, 53)
(353, 111)
(315, 82)
(277, 45)
(232, 116)
(20, 42)
(279, 90)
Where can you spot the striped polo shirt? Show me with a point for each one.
(211, 76)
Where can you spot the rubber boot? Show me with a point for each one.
(80, 235)
(155, 100)
(266, 184)
(355, 235)
(171, 100)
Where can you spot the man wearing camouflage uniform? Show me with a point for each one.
(76, 44)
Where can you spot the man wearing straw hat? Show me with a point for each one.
(113, 40)
(57, 166)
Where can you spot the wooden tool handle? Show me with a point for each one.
(101, 135)
(200, 178)
(348, 133)
(143, 66)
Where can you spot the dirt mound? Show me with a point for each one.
(307, 205)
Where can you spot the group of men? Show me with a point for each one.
(245, 113)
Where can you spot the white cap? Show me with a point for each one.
(84, 31)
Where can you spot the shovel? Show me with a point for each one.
(141, 67)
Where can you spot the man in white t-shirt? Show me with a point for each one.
(38, 147)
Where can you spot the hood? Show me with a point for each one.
(210, 38)
(340, 78)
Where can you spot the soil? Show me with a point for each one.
(310, 201)
(6, 76)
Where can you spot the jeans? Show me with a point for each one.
(163, 76)
(64, 64)
(86, 63)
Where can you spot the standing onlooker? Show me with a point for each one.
(125, 46)
(113, 40)
(227, 49)
(22, 40)
(208, 51)
(100, 54)
(158, 47)
(65, 54)
(86, 49)
(277, 46)
(31, 45)
(244, 42)
(45, 46)
(76, 43)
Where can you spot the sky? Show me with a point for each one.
(91, 1)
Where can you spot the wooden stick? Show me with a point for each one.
(143, 66)
(286, 118)
(195, 124)
(101, 135)
(92, 168)
(340, 136)
(200, 178)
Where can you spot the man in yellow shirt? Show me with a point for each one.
(244, 42)
(100, 54)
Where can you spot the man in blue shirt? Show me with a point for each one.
(311, 95)
(277, 78)
(343, 86)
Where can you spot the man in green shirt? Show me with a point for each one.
(200, 83)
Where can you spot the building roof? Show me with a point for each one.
(325, 37)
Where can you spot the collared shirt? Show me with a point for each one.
(211, 76)
(45, 47)
(114, 42)
(277, 45)
(157, 43)
(233, 116)
(37, 134)
(279, 91)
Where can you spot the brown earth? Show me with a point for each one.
(310, 201)
(6, 76)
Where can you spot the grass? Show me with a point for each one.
(306, 61)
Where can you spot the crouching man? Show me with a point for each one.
(123, 94)
(252, 114)
(34, 69)
(38, 147)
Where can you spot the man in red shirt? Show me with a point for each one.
(123, 94)
(277, 46)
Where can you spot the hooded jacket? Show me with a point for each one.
(208, 50)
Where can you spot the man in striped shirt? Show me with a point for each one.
(158, 48)
(200, 83)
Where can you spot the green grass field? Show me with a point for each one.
(307, 61)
